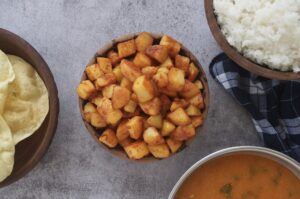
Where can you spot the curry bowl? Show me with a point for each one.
(31, 150)
(221, 158)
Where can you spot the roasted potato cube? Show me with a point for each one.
(88, 109)
(130, 70)
(151, 107)
(193, 72)
(105, 80)
(97, 121)
(126, 48)
(143, 41)
(126, 83)
(161, 79)
(189, 90)
(108, 137)
(172, 45)
(165, 104)
(182, 63)
(143, 89)
(174, 145)
(130, 107)
(85, 89)
(114, 117)
(104, 64)
(114, 57)
(176, 79)
(118, 73)
(183, 133)
(96, 99)
(93, 72)
(141, 60)
(157, 52)
(179, 117)
(110, 115)
(122, 130)
(135, 127)
(197, 100)
(107, 91)
(167, 128)
(149, 71)
(199, 84)
(178, 103)
(192, 110)
(120, 97)
(159, 151)
(197, 121)
(167, 64)
(155, 121)
(152, 136)
(137, 150)
(127, 141)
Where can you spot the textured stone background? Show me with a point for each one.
(67, 33)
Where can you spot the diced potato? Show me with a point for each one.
(179, 117)
(161, 79)
(192, 110)
(157, 52)
(189, 90)
(108, 137)
(97, 121)
(105, 80)
(183, 133)
(85, 89)
(120, 97)
(126, 48)
(93, 72)
(151, 107)
(152, 136)
(163, 70)
(118, 73)
(107, 91)
(197, 121)
(130, 70)
(197, 100)
(141, 60)
(130, 107)
(167, 64)
(110, 115)
(104, 64)
(88, 109)
(114, 57)
(114, 117)
(172, 45)
(155, 121)
(96, 99)
(174, 145)
(126, 83)
(127, 141)
(143, 41)
(199, 84)
(137, 150)
(149, 71)
(143, 89)
(176, 79)
(182, 63)
(159, 151)
(167, 128)
(135, 127)
(193, 72)
(178, 103)
(122, 130)
(165, 104)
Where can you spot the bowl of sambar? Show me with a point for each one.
(244, 172)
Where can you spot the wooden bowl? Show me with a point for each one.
(30, 151)
(95, 133)
(236, 56)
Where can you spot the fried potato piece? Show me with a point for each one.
(126, 83)
(114, 57)
(130, 70)
(93, 72)
(159, 151)
(179, 117)
(182, 62)
(197, 100)
(167, 64)
(152, 137)
(88, 109)
(97, 121)
(126, 48)
(135, 127)
(158, 53)
(106, 110)
(189, 90)
(141, 60)
(96, 99)
(165, 104)
(155, 121)
(174, 145)
(151, 107)
(183, 133)
(149, 71)
(143, 41)
(120, 97)
(107, 91)
(193, 72)
(108, 137)
(130, 107)
(161, 78)
(105, 80)
(143, 89)
(172, 45)
(104, 64)
(192, 110)
(199, 84)
(137, 150)
(167, 128)
(178, 103)
(118, 73)
(122, 130)
(85, 89)
(176, 79)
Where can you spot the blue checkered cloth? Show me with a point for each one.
(274, 105)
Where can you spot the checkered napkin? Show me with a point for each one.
(274, 105)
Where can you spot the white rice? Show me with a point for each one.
(265, 31)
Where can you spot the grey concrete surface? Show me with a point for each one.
(67, 33)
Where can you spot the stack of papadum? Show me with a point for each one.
(24, 104)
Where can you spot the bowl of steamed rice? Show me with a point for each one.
(28, 107)
(261, 36)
